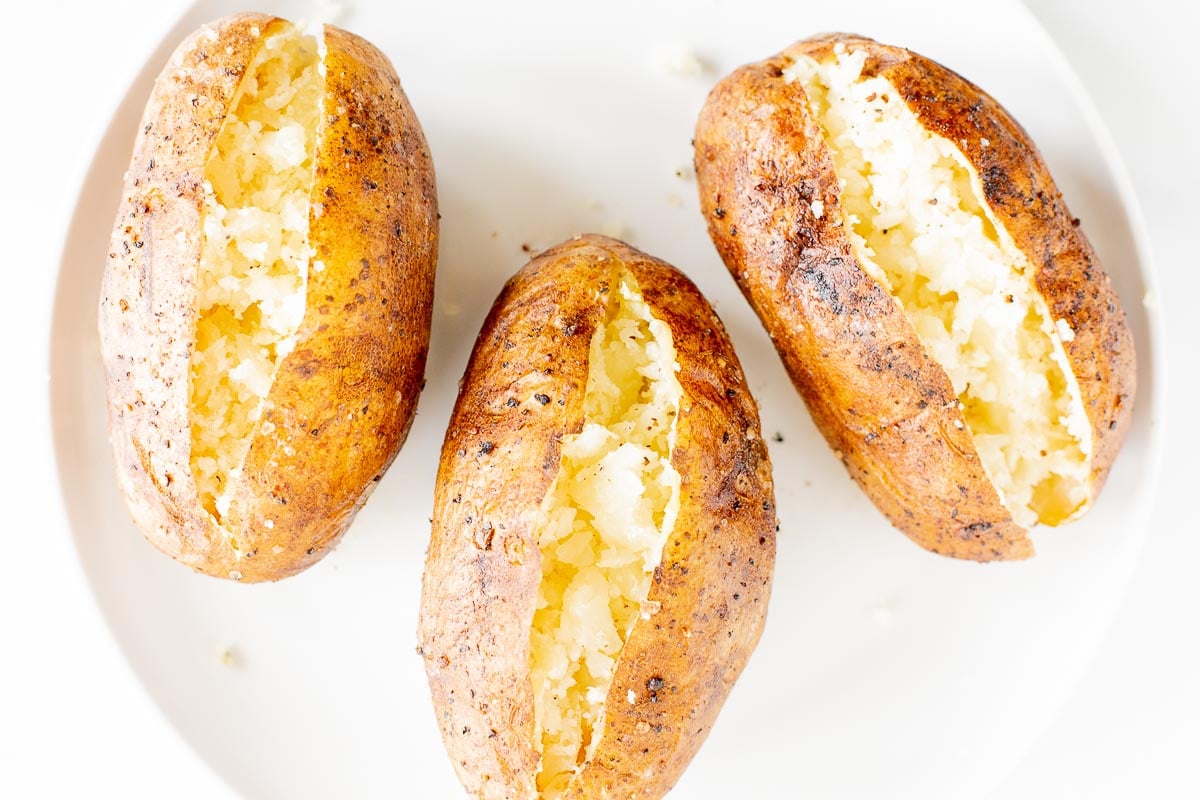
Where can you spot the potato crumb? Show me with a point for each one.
(227, 656)
(678, 59)
(1149, 301)
(330, 12)
(818, 208)
(602, 528)
(685, 172)
(674, 200)
(614, 228)
(883, 615)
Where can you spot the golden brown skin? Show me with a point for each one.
(885, 406)
(344, 399)
(522, 392)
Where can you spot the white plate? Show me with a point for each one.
(884, 671)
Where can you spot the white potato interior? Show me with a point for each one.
(602, 528)
(919, 223)
(251, 286)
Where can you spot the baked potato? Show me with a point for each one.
(603, 532)
(930, 294)
(265, 311)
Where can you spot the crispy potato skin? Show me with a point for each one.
(344, 399)
(501, 455)
(882, 403)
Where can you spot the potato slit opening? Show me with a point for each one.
(251, 288)
(917, 217)
(601, 529)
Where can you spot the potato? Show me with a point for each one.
(265, 310)
(603, 532)
(931, 296)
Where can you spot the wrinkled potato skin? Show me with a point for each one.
(501, 455)
(883, 404)
(344, 399)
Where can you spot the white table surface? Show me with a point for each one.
(74, 722)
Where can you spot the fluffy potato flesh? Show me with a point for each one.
(919, 223)
(602, 528)
(251, 286)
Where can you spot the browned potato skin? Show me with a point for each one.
(345, 397)
(885, 406)
(501, 454)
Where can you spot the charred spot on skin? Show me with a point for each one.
(824, 287)
(975, 530)
(542, 398)
(996, 185)
(486, 447)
